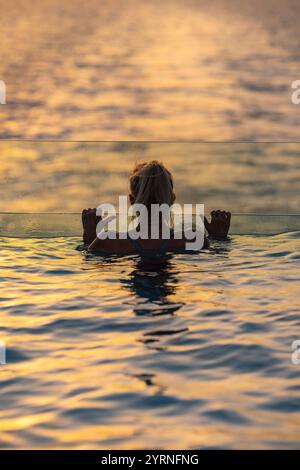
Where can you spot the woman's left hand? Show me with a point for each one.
(90, 220)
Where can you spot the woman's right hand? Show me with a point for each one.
(219, 225)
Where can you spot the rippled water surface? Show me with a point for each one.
(67, 176)
(190, 352)
(129, 69)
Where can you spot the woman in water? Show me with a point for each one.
(150, 183)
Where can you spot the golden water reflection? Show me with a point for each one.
(118, 353)
(130, 70)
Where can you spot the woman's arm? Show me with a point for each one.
(96, 245)
(89, 224)
(206, 243)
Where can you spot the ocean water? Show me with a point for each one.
(132, 70)
(68, 176)
(193, 351)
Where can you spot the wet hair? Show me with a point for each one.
(151, 183)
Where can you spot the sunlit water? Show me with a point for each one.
(67, 176)
(127, 69)
(193, 352)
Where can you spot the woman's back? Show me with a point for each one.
(150, 185)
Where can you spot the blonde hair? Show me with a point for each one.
(151, 183)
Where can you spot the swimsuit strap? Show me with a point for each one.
(164, 246)
(137, 245)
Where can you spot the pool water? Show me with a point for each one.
(191, 351)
